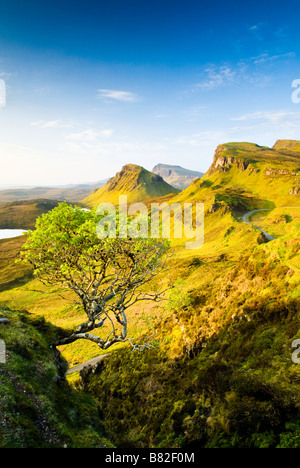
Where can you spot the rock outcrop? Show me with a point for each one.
(295, 190)
(223, 163)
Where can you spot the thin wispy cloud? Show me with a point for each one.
(281, 33)
(257, 30)
(90, 135)
(274, 117)
(282, 123)
(4, 75)
(50, 124)
(266, 58)
(43, 90)
(117, 95)
(203, 138)
(217, 76)
(2, 93)
(250, 70)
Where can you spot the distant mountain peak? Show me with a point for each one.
(132, 168)
(176, 176)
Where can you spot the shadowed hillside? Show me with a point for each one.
(37, 407)
(23, 214)
(12, 274)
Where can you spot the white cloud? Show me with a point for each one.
(115, 95)
(249, 70)
(2, 93)
(217, 76)
(267, 126)
(206, 138)
(257, 30)
(42, 90)
(4, 75)
(90, 135)
(266, 58)
(50, 124)
(275, 117)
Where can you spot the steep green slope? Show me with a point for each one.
(223, 375)
(37, 408)
(246, 176)
(12, 274)
(270, 174)
(135, 182)
(287, 145)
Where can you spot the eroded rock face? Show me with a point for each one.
(271, 172)
(223, 207)
(214, 207)
(295, 190)
(223, 163)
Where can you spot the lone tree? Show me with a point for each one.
(106, 274)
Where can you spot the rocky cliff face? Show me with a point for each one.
(287, 145)
(223, 163)
(295, 190)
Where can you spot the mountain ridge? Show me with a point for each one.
(69, 193)
(135, 182)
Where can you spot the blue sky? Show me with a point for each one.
(94, 85)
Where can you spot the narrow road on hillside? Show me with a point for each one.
(247, 216)
(91, 362)
(268, 236)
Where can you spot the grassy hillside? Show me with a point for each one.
(23, 214)
(277, 222)
(245, 177)
(225, 235)
(287, 145)
(135, 182)
(221, 372)
(12, 274)
(223, 376)
(37, 408)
